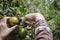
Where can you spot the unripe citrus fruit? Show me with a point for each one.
(13, 21)
(22, 32)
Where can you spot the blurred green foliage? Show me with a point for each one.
(49, 8)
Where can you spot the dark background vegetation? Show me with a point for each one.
(49, 8)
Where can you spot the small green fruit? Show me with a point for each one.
(28, 38)
(13, 21)
(22, 32)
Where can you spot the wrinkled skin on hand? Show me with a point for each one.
(4, 30)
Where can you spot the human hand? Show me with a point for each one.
(4, 30)
(26, 21)
(32, 18)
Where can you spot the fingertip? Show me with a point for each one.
(7, 17)
(13, 28)
(16, 25)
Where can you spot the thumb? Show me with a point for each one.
(12, 28)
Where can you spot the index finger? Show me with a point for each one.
(4, 20)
